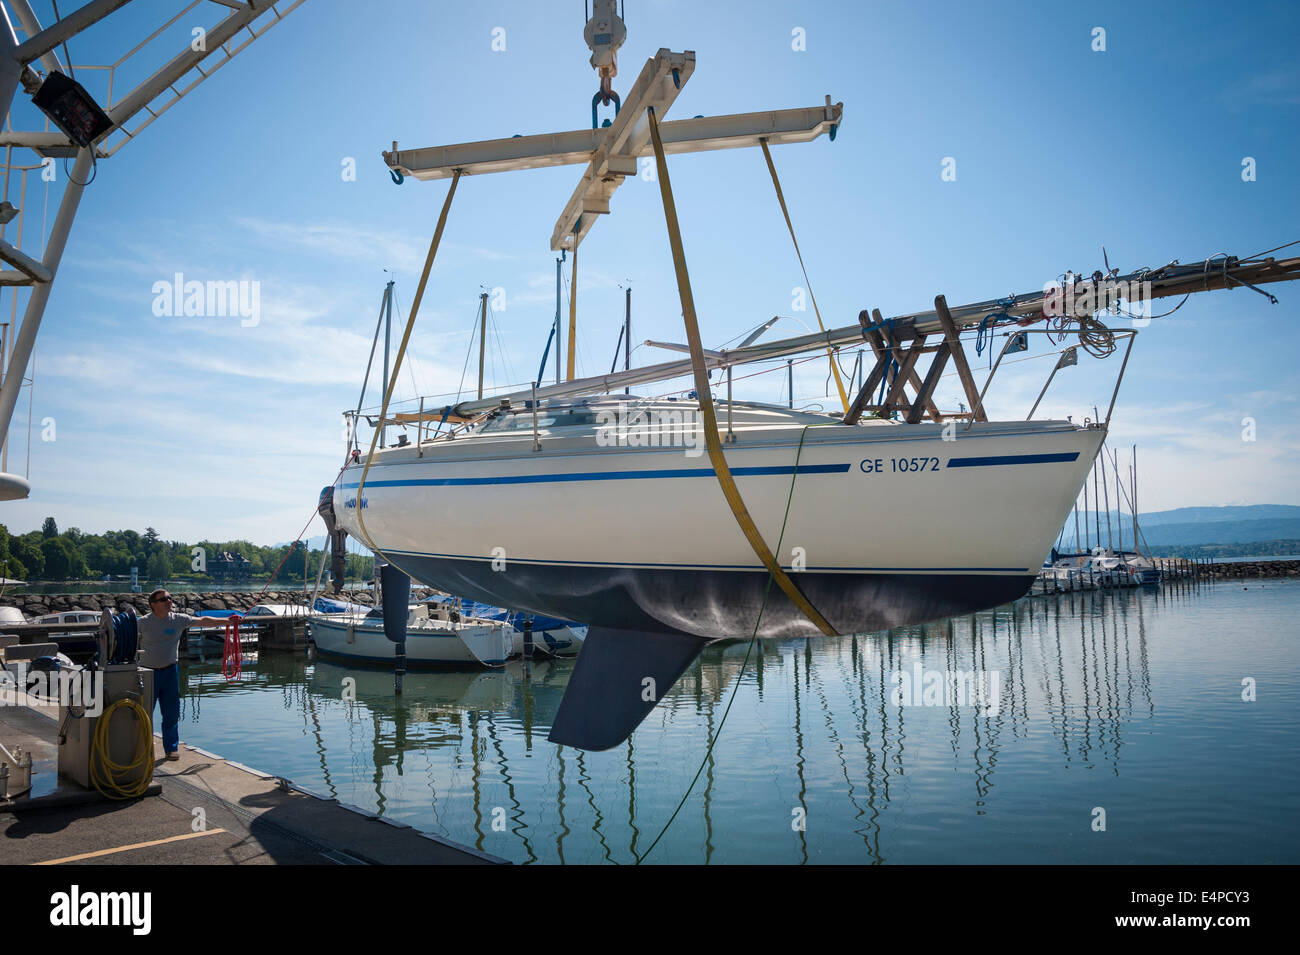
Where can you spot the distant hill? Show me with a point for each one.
(1219, 515)
(1197, 526)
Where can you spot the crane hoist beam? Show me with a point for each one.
(612, 153)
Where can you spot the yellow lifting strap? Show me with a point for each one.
(711, 440)
(780, 197)
(401, 352)
(573, 312)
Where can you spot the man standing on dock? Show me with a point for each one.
(159, 642)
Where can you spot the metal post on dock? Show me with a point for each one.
(627, 337)
(537, 445)
(387, 308)
(482, 339)
(731, 435)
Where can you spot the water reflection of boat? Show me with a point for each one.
(528, 693)
(449, 690)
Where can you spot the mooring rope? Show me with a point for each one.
(753, 637)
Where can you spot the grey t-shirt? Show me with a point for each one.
(159, 638)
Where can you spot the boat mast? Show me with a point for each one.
(482, 339)
(1076, 523)
(1087, 544)
(388, 326)
(1105, 489)
(1096, 501)
(627, 337)
(1166, 281)
(1133, 479)
(1119, 507)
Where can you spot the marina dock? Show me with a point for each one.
(201, 810)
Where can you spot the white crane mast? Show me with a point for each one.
(88, 132)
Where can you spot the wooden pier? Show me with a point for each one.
(255, 634)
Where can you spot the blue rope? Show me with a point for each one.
(125, 638)
(984, 334)
(888, 326)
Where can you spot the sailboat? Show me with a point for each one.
(572, 501)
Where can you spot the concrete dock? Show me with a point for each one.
(203, 810)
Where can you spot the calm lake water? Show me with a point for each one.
(1129, 702)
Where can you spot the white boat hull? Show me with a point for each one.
(363, 640)
(887, 524)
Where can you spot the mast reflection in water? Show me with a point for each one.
(849, 750)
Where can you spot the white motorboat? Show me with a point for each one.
(434, 637)
(550, 637)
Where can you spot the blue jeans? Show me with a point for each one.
(167, 691)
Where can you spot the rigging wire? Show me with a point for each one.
(506, 369)
(753, 638)
(410, 373)
(468, 350)
(1267, 251)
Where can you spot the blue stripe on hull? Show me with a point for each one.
(606, 476)
(656, 474)
(1005, 459)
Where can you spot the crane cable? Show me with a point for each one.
(719, 461)
(780, 197)
(401, 353)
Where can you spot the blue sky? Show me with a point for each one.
(202, 427)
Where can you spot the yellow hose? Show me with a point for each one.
(113, 779)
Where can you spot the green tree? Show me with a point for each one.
(29, 553)
(160, 565)
(295, 564)
(58, 563)
(49, 528)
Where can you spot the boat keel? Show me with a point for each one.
(617, 680)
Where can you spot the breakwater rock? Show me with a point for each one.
(1252, 568)
(36, 605)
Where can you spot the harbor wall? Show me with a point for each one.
(35, 605)
(1252, 568)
